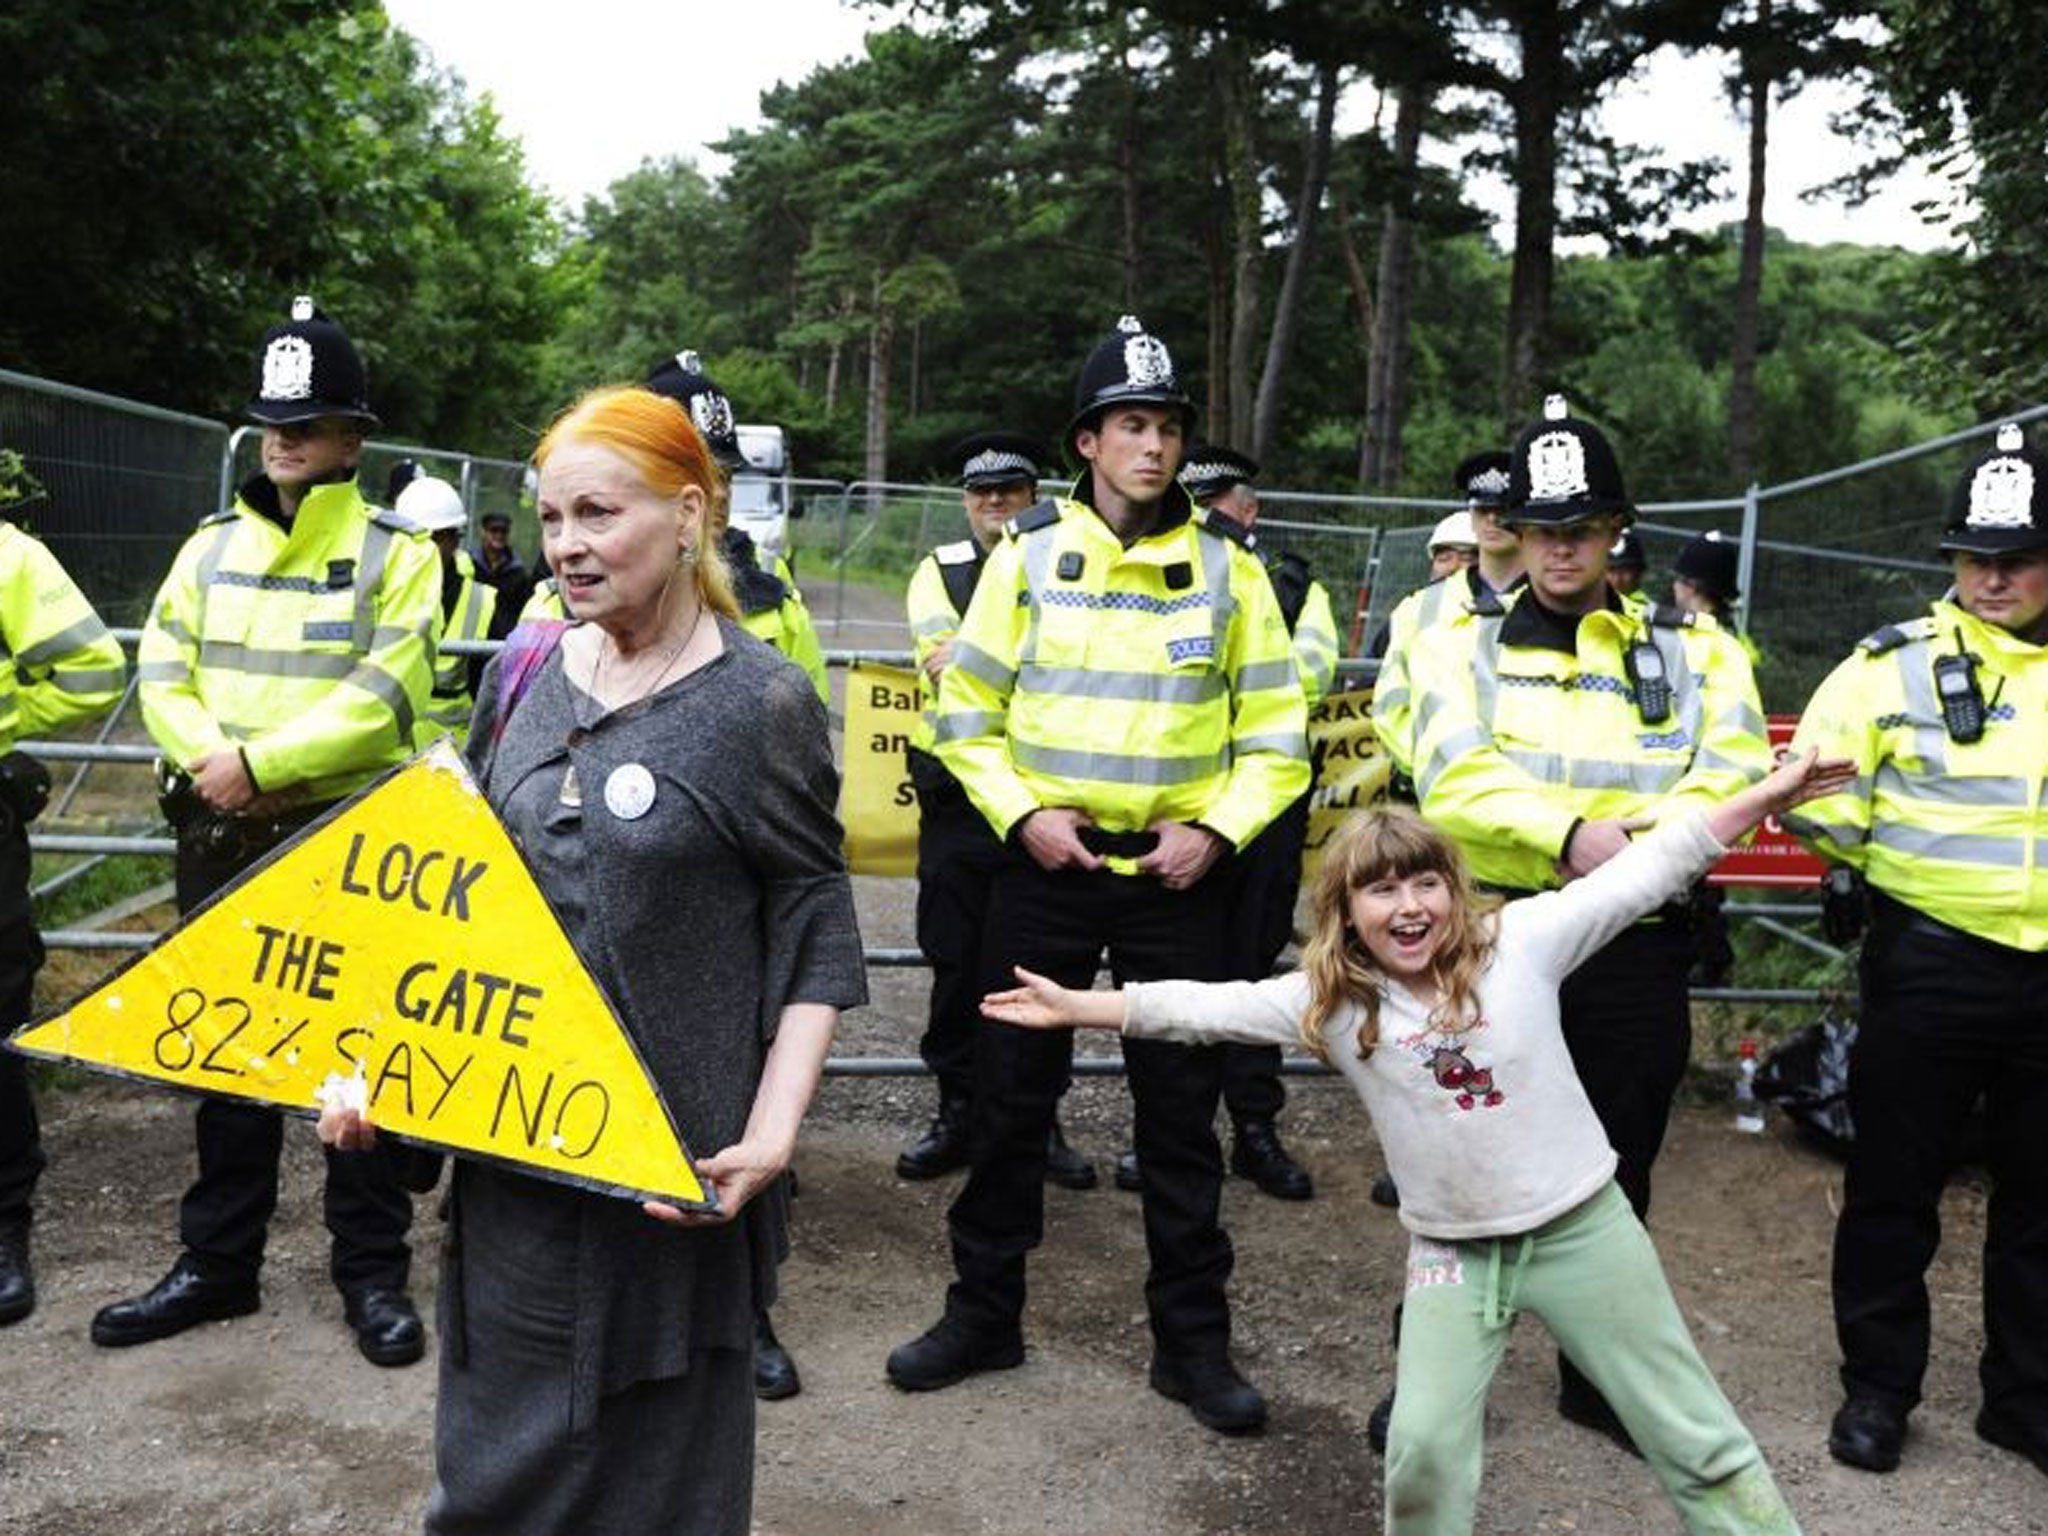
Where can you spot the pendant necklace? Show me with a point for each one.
(629, 791)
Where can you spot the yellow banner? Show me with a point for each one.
(877, 805)
(400, 941)
(1354, 770)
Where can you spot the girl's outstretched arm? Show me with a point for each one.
(1044, 1004)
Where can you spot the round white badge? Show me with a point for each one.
(629, 791)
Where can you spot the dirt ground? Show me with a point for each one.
(273, 1424)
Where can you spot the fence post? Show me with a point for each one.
(1745, 567)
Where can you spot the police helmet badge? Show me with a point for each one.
(1146, 360)
(288, 369)
(2002, 489)
(1557, 460)
(712, 413)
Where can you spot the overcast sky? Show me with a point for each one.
(594, 88)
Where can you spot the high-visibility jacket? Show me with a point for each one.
(1393, 706)
(451, 702)
(1143, 684)
(1957, 830)
(1516, 743)
(1315, 645)
(307, 647)
(940, 589)
(785, 623)
(545, 602)
(57, 661)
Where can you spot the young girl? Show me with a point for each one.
(1441, 1010)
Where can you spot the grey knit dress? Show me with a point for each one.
(597, 1365)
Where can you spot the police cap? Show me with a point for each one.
(1710, 562)
(2001, 503)
(681, 378)
(308, 368)
(1210, 470)
(997, 458)
(1483, 478)
(1129, 366)
(1564, 471)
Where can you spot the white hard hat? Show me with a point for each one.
(1455, 529)
(432, 503)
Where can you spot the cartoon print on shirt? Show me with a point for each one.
(1444, 1058)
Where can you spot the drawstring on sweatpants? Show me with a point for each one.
(1499, 1308)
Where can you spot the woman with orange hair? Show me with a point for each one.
(669, 780)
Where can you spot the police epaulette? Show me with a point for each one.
(959, 552)
(1040, 514)
(397, 522)
(214, 519)
(1671, 616)
(1227, 528)
(1890, 637)
(1487, 605)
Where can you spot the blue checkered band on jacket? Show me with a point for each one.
(1127, 602)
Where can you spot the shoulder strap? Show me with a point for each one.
(1670, 616)
(1040, 514)
(960, 579)
(526, 651)
(1890, 637)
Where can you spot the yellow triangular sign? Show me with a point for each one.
(401, 936)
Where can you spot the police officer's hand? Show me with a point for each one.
(1052, 837)
(221, 779)
(940, 659)
(1185, 854)
(1593, 843)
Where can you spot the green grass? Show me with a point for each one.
(115, 879)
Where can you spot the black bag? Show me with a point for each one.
(1807, 1076)
(25, 786)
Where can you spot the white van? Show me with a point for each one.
(762, 495)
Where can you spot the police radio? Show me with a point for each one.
(1962, 701)
(1650, 679)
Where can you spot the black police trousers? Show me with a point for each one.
(1266, 877)
(1059, 924)
(1948, 1018)
(958, 857)
(225, 1215)
(21, 955)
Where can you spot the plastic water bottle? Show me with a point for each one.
(1749, 1109)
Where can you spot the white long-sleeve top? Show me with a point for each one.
(1485, 1128)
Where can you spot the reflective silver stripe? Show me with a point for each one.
(471, 624)
(1037, 547)
(978, 664)
(1431, 606)
(176, 631)
(1115, 767)
(74, 638)
(1318, 635)
(164, 672)
(1285, 744)
(966, 723)
(229, 656)
(1744, 717)
(1706, 757)
(369, 577)
(1485, 675)
(1425, 711)
(1393, 698)
(1215, 552)
(1256, 675)
(1956, 847)
(1956, 788)
(925, 628)
(1841, 835)
(1452, 747)
(1564, 772)
(1685, 683)
(97, 680)
(209, 562)
(1139, 687)
(1916, 682)
(382, 686)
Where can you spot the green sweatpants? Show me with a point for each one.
(1592, 1278)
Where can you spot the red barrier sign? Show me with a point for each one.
(1774, 856)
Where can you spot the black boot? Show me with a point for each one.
(775, 1374)
(943, 1146)
(387, 1325)
(1063, 1165)
(1256, 1154)
(1385, 1192)
(1128, 1174)
(17, 1280)
(951, 1351)
(184, 1298)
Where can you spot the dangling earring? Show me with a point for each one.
(688, 556)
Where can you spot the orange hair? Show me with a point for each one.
(656, 436)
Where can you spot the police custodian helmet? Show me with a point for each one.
(1710, 563)
(2001, 503)
(308, 368)
(681, 378)
(1564, 471)
(1128, 367)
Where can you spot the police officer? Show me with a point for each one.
(285, 664)
(465, 610)
(1946, 719)
(957, 854)
(1625, 564)
(1542, 728)
(1123, 706)
(58, 665)
(1267, 875)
